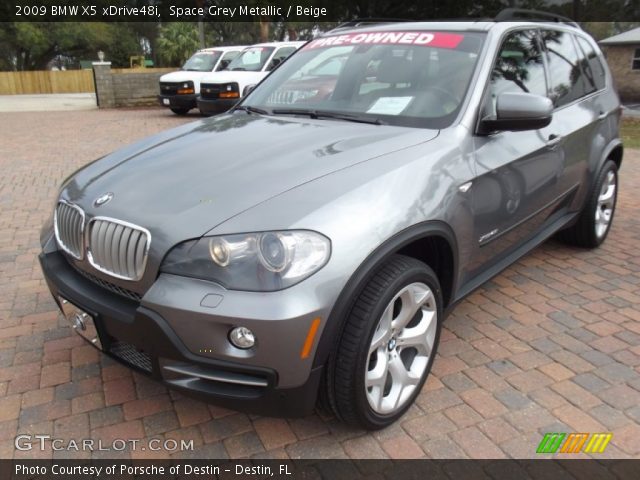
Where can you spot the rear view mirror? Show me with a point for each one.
(519, 111)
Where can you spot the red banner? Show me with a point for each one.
(425, 39)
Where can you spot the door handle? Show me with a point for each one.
(603, 115)
(554, 140)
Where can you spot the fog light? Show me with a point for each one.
(242, 337)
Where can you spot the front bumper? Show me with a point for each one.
(210, 106)
(144, 340)
(177, 101)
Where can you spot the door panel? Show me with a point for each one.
(519, 173)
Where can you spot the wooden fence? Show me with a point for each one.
(66, 81)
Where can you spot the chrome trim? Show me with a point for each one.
(226, 377)
(59, 241)
(100, 268)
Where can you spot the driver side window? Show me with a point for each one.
(226, 60)
(280, 57)
(519, 67)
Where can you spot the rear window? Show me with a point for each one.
(594, 62)
(568, 79)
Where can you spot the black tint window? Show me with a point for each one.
(568, 82)
(519, 68)
(597, 69)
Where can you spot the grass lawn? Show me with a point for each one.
(630, 132)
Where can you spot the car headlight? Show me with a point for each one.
(263, 261)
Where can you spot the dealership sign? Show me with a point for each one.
(426, 39)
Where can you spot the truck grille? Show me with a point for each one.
(118, 248)
(69, 227)
(209, 90)
(167, 88)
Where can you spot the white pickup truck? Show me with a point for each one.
(220, 91)
(178, 90)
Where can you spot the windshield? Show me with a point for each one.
(399, 78)
(252, 59)
(202, 62)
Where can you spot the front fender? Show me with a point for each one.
(356, 283)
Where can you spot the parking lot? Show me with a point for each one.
(550, 345)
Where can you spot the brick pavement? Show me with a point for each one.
(552, 344)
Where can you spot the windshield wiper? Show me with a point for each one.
(315, 114)
(238, 69)
(250, 109)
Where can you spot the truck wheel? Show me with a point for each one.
(180, 111)
(595, 220)
(388, 344)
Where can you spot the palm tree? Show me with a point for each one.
(177, 42)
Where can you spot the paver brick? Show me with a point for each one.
(146, 406)
(551, 343)
(483, 402)
(476, 444)
(497, 429)
(401, 447)
(274, 432)
(243, 446)
(364, 447)
(463, 415)
(9, 407)
(219, 429)
(428, 426)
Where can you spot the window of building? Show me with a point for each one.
(635, 65)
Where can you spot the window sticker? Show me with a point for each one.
(390, 105)
(425, 39)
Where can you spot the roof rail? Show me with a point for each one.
(514, 14)
(361, 22)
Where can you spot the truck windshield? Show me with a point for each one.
(202, 62)
(409, 78)
(251, 60)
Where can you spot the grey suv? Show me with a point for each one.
(312, 240)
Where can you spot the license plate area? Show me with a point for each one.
(81, 322)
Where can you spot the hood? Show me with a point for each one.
(182, 183)
(243, 78)
(184, 76)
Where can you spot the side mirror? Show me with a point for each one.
(248, 89)
(518, 112)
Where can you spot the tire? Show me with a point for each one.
(366, 383)
(594, 223)
(180, 111)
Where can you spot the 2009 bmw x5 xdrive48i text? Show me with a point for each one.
(313, 238)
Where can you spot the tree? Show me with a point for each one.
(34, 45)
(177, 42)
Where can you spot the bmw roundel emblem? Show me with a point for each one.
(102, 199)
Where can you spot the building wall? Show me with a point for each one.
(125, 87)
(627, 81)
